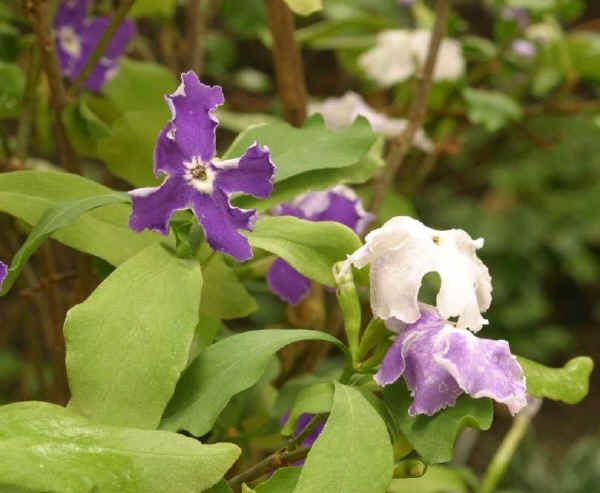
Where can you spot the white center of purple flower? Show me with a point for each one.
(199, 174)
(69, 41)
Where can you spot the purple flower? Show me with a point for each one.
(440, 362)
(302, 423)
(76, 37)
(185, 152)
(3, 272)
(518, 14)
(524, 47)
(339, 204)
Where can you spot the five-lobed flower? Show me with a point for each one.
(196, 179)
(76, 36)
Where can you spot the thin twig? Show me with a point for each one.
(100, 48)
(278, 459)
(288, 62)
(308, 429)
(401, 145)
(200, 13)
(38, 13)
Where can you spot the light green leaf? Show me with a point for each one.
(44, 447)
(220, 487)
(305, 7)
(283, 480)
(311, 157)
(316, 399)
(224, 296)
(312, 248)
(224, 369)
(569, 384)
(55, 218)
(492, 109)
(434, 436)
(353, 453)
(102, 232)
(128, 343)
(437, 479)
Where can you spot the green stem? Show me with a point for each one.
(374, 333)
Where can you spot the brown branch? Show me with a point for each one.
(278, 459)
(288, 62)
(401, 145)
(38, 13)
(200, 13)
(100, 48)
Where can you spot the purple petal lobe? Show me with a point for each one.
(221, 221)
(483, 368)
(71, 12)
(168, 157)
(3, 272)
(287, 283)
(191, 106)
(393, 364)
(252, 173)
(153, 207)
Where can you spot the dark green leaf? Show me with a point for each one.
(353, 453)
(434, 436)
(492, 109)
(569, 384)
(128, 343)
(44, 447)
(223, 370)
(57, 217)
(11, 90)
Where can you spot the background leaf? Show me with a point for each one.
(492, 109)
(315, 399)
(128, 343)
(569, 384)
(353, 453)
(434, 436)
(305, 7)
(437, 479)
(223, 370)
(310, 247)
(48, 448)
(55, 218)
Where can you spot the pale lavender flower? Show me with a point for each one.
(406, 3)
(440, 362)
(339, 204)
(524, 47)
(185, 152)
(403, 250)
(518, 14)
(3, 272)
(76, 37)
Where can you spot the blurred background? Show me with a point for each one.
(516, 160)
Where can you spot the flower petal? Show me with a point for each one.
(346, 207)
(221, 222)
(191, 106)
(252, 173)
(71, 13)
(483, 367)
(393, 364)
(3, 272)
(168, 157)
(286, 282)
(153, 207)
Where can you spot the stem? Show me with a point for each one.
(374, 333)
(100, 48)
(288, 62)
(39, 15)
(275, 460)
(26, 117)
(401, 145)
(308, 429)
(200, 13)
(501, 459)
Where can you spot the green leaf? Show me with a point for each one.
(84, 127)
(55, 218)
(224, 296)
(165, 8)
(353, 453)
(102, 232)
(283, 480)
(437, 479)
(305, 7)
(434, 436)
(316, 399)
(44, 447)
(224, 369)
(312, 248)
(128, 343)
(492, 109)
(11, 90)
(311, 157)
(569, 384)
(220, 487)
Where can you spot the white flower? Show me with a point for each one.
(401, 53)
(341, 112)
(403, 250)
